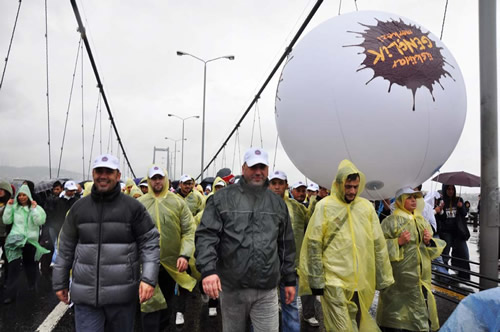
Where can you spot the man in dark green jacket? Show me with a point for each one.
(245, 246)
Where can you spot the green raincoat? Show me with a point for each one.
(176, 226)
(344, 252)
(26, 222)
(403, 304)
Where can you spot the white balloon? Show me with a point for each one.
(337, 84)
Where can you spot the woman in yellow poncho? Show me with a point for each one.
(408, 304)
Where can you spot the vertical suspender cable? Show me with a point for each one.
(47, 94)
(93, 134)
(340, 6)
(69, 106)
(83, 34)
(100, 126)
(444, 19)
(83, 127)
(260, 126)
(275, 151)
(11, 39)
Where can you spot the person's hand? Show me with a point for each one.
(427, 237)
(404, 238)
(437, 209)
(10, 201)
(182, 264)
(62, 295)
(289, 294)
(145, 291)
(33, 204)
(460, 204)
(211, 286)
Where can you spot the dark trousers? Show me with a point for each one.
(5, 265)
(459, 249)
(26, 262)
(156, 321)
(167, 286)
(308, 310)
(109, 318)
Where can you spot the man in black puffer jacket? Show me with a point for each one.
(245, 246)
(106, 238)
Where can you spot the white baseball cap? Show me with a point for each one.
(278, 175)
(70, 185)
(143, 184)
(155, 170)
(107, 161)
(313, 187)
(254, 156)
(407, 190)
(185, 178)
(220, 183)
(298, 184)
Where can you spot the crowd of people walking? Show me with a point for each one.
(252, 243)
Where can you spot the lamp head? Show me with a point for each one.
(231, 57)
(180, 53)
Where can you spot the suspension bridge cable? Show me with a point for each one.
(275, 151)
(260, 126)
(100, 126)
(356, 4)
(340, 6)
(253, 124)
(444, 19)
(47, 83)
(69, 107)
(93, 132)
(83, 128)
(83, 34)
(10, 44)
(271, 75)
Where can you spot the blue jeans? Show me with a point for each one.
(111, 317)
(290, 321)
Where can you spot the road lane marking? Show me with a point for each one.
(53, 318)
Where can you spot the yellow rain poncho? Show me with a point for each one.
(176, 226)
(343, 253)
(87, 188)
(197, 219)
(299, 218)
(403, 305)
(195, 201)
(135, 192)
(128, 186)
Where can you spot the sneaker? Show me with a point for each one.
(212, 312)
(179, 318)
(312, 321)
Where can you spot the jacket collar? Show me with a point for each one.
(245, 187)
(106, 196)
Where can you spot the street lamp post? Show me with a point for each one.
(175, 152)
(229, 57)
(183, 119)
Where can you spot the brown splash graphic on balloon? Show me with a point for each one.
(402, 54)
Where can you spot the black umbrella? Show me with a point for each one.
(459, 179)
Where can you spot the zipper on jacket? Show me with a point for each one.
(101, 201)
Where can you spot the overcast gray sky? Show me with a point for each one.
(135, 46)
